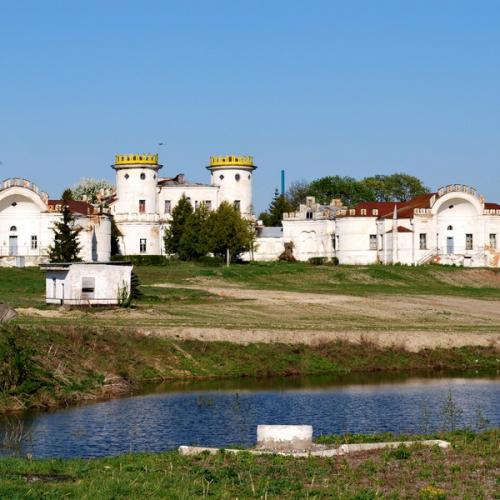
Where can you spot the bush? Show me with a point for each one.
(16, 363)
(317, 261)
(335, 261)
(142, 260)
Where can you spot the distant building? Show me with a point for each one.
(451, 226)
(142, 203)
(27, 218)
(87, 283)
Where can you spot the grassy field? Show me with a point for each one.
(468, 470)
(289, 297)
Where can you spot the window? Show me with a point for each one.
(88, 285)
(142, 245)
(334, 243)
(468, 242)
(34, 242)
(142, 206)
(337, 246)
(143, 176)
(309, 215)
(493, 240)
(221, 177)
(363, 211)
(13, 228)
(208, 204)
(168, 206)
(126, 176)
(423, 241)
(237, 177)
(450, 228)
(237, 205)
(373, 242)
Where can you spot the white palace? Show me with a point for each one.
(454, 225)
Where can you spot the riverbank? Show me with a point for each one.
(467, 470)
(44, 367)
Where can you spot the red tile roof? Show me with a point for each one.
(492, 206)
(76, 207)
(401, 229)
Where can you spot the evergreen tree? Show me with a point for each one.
(196, 237)
(66, 246)
(231, 234)
(277, 208)
(173, 234)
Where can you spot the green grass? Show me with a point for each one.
(352, 280)
(64, 366)
(468, 470)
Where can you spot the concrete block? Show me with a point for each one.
(284, 437)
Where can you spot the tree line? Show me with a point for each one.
(395, 187)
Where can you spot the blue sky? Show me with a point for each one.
(317, 88)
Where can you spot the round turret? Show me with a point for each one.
(233, 176)
(136, 181)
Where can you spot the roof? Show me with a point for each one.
(401, 229)
(492, 206)
(385, 209)
(75, 206)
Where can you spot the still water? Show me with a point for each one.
(224, 413)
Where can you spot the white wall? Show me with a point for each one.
(232, 188)
(132, 189)
(195, 193)
(67, 283)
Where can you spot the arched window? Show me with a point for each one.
(13, 228)
(450, 228)
(309, 215)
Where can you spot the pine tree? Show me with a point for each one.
(274, 214)
(66, 246)
(173, 234)
(196, 238)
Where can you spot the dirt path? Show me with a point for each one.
(411, 340)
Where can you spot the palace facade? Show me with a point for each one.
(454, 225)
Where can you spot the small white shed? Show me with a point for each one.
(87, 283)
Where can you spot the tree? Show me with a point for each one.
(66, 246)
(180, 216)
(277, 208)
(348, 189)
(395, 187)
(90, 188)
(231, 234)
(196, 237)
(297, 193)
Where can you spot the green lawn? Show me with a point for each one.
(468, 470)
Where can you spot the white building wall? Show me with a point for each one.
(234, 183)
(353, 240)
(310, 238)
(197, 195)
(63, 284)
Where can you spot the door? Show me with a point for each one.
(12, 245)
(450, 247)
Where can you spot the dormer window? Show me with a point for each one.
(375, 211)
(363, 211)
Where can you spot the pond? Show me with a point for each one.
(221, 413)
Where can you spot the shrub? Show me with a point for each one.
(317, 261)
(16, 363)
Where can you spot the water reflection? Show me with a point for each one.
(220, 413)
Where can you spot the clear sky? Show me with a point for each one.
(313, 87)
